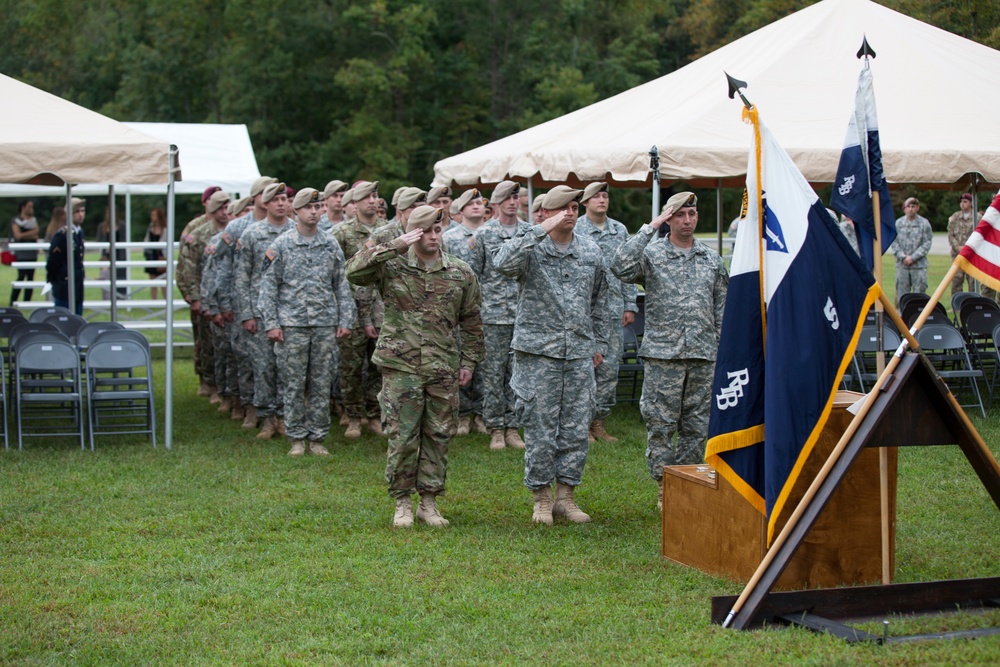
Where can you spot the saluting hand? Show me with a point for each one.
(658, 221)
(412, 236)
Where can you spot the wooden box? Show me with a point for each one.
(709, 526)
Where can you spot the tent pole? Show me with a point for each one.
(654, 166)
(718, 214)
(128, 229)
(112, 233)
(70, 273)
(531, 199)
(168, 387)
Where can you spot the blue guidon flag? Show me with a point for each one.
(788, 331)
(860, 172)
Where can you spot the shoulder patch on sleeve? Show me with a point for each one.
(268, 258)
(186, 238)
(369, 244)
(472, 243)
(239, 244)
(227, 237)
(210, 249)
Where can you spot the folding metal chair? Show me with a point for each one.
(913, 297)
(937, 316)
(68, 323)
(89, 331)
(41, 314)
(978, 330)
(945, 349)
(119, 401)
(956, 303)
(10, 310)
(3, 403)
(630, 366)
(865, 363)
(48, 396)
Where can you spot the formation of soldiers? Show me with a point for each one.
(456, 316)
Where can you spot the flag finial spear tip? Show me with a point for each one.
(866, 49)
(734, 89)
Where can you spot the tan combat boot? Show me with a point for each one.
(566, 506)
(298, 448)
(404, 513)
(597, 431)
(268, 429)
(238, 414)
(226, 405)
(479, 426)
(428, 511)
(204, 389)
(250, 419)
(316, 448)
(542, 512)
(497, 439)
(463, 426)
(353, 429)
(375, 426)
(659, 495)
(513, 439)
(344, 419)
(279, 426)
(214, 398)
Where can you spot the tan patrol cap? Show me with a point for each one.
(680, 200)
(425, 217)
(272, 191)
(466, 199)
(348, 197)
(364, 188)
(332, 188)
(216, 201)
(438, 191)
(240, 205)
(559, 196)
(410, 197)
(304, 197)
(78, 203)
(395, 195)
(504, 191)
(261, 183)
(537, 204)
(592, 190)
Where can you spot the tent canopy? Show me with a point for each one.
(47, 140)
(935, 93)
(212, 155)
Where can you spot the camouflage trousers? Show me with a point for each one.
(470, 397)
(910, 280)
(420, 416)
(554, 399)
(266, 383)
(226, 376)
(204, 354)
(360, 379)
(305, 358)
(676, 399)
(496, 369)
(960, 279)
(607, 373)
(243, 345)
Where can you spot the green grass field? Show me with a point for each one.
(226, 551)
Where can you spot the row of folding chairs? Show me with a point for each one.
(51, 386)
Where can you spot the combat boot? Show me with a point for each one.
(597, 431)
(298, 448)
(375, 426)
(590, 437)
(345, 419)
(463, 426)
(279, 426)
(542, 512)
(404, 513)
(479, 426)
(354, 431)
(659, 495)
(268, 429)
(250, 419)
(428, 511)
(496, 439)
(204, 389)
(238, 414)
(316, 448)
(214, 397)
(566, 506)
(513, 439)
(226, 405)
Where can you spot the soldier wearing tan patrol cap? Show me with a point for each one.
(685, 282)
(560, 336)
(609, 235)
(439, 196)
(406, 203)
(333, 195)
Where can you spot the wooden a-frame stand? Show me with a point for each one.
(913, 408)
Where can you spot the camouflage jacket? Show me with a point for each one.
(499, 291)
(959, 230)
(458, 242)
(304, 283)
(387, 232)
(621, 296)
(352, 236)
(188, 260)
(562, 306)
(425, 306)
(209, 286)
(913, 239)
(685, 295)
(225, 261)
(249, 269)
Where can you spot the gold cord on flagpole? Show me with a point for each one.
(751, 116)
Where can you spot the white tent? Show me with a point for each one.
(213, 155)
(937, 96)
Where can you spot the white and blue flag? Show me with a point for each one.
(860, 172)
(797, 300)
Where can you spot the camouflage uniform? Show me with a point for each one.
(188, 259)
(243, 342)
(426, 306)
(621, 297)
(960, 228)
(226, 375)
(360, 380)
(685, 297)
(500, 294)
(325, 225)
(847, 229)
(913, 239)
(562, 322)
(457, 242)
(190, 285)
(250, 266)
(304, 293)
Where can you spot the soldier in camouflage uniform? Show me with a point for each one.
(430, 299)
(609, 235)
(250, 266)
(306, 304)
(560, 336)
(221, 337)
(186, 258)
(333, 195)
(500, 295)
(961, 224)
(686, 283)
(225, 261)
(360, 379)
(439, 196)
(407, 202)
(458, 242)
(913, 242)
